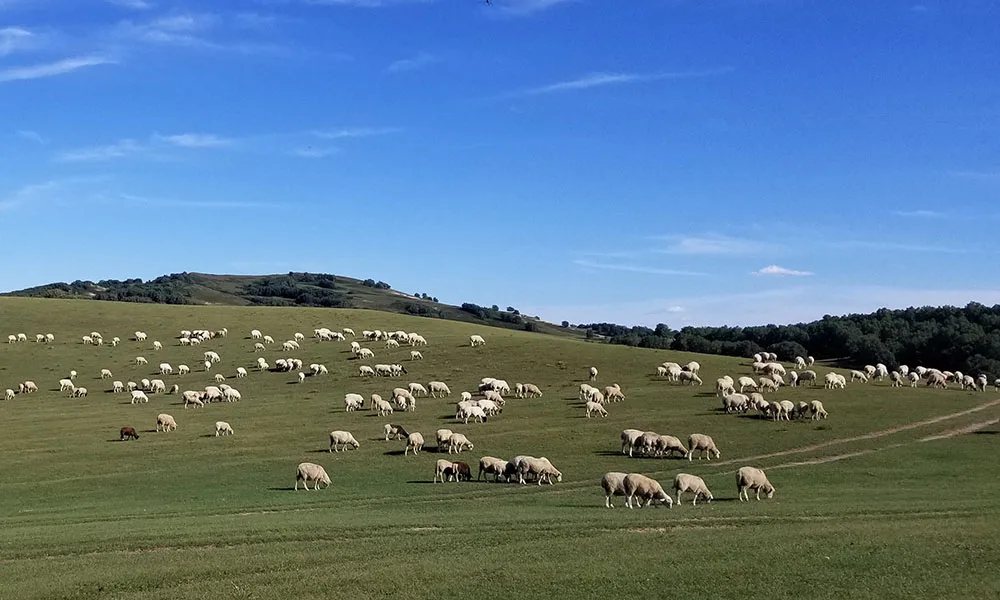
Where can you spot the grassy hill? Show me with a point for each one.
(292, 289)
(892, 497)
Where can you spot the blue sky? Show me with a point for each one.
(678, 161)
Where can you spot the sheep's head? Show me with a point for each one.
(717, 453)
(770, 491)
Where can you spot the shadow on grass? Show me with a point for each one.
(983, 432)
(211, 435)
(394, 452)
(422, 481)
(281, 489)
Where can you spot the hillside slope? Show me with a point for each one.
(292, 289)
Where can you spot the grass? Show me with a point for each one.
(864, 508)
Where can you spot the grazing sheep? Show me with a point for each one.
(936, 379)
(613, 484)
(444, 470)
(139, 396)
(208, 365)
(752, 478)
(704, 445)
(394, 431)
(645, 488)
(416, 355)
(80, 392)
(140, 336)
(476, 340)
(531, 391)
(816, 410)
(417, 389)
(354, 402)
(689, 378)
(628, 437)
(470, 412)
(231, 394)
(414, 442)
(666, 445)
(366, 371)
(307, 472)
(896, 379)
(342, 438)
(793, 378)
(166, 422)
(491, 465)
(302, 377)
(593, 407)
(383, 408)
(438, 387)
(27, 387)
(593, 373)
(183, 369)
(223, 428)
(106, 374)
(684, 482)
(458, 442)
(241, 372)
(139, 360)
(736, 402)
(767, 384)
(8, 394)
(614, 393)
(692, 367)
(157, 346)
(540, 468)
(66, 384)
(809, 376)
(746, 382)
(128, 433)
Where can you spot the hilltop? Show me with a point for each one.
(318, 290)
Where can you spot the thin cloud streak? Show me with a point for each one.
(414, 63)
(775, 270)
(595, 80)
(711, 245)
(355, 132)
(13, 39)
(589, 264)
(52, 69)
(920, 214)
(195, 140)
(311, 152)
(120, 149)
(524, 8)
(174, 203)
(31, 136)
(133, 4)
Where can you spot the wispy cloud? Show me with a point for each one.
(208, 204)
(310, 152)
(418, 61)
(595, 80)
(589, 264)
(28, 194)
(893, 246)
(523, 8)
(194, 140)
(31, 136)
(920, 214)
(775, 270)
(355, 132)
(365, 3)
(712, 245)
(60, 67)
(133, 4)
(120, 149)
(13, 39)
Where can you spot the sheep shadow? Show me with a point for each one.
(980, 432)
(210, 435)
(119, 440)
(150, 431)
(608, 453)
(420, 481)
(281, 489)
(394, 452)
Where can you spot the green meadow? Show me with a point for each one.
(893, 496)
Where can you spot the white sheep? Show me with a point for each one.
(491, 464)
(593, 407)
(438, 388)
(241, 372)
(593, 373)
(746, 382)
(628, 437)
(80, 392)
(8, 394)
(684, 482)
(302, 377)
(231, 395)
(342, 438)
(645, 488)
(268, 339)
(166, 422)
(66, 384)
(476, 340)
(541, 468)
(117, 387)
(704, 445)
(223, 428)
(366, 371)
(752, 478)
(106, 374)
(816, 410)
(444, 470)
(471, 412)
(613, 484)
(192, 397)
(531, 391)
(157, 345)
(383, 408)
(666, 445)
(139, 396)
(140, 336)
(458, 442)
(139, 360)
(416, 355)
(415, 442)
(256, 334)
(689, 378)
(307, 472)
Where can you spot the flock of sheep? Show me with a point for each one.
(741, 394)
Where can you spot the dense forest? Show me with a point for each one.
(948, 338)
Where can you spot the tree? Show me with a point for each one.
(565, 323)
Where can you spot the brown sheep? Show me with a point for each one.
(462, 471)
(128, 433)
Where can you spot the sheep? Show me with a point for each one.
(613, 483)
(458, 442)
(531, 391)
(128, 433)
(139, 396)
(724, 386)
(490, 407)
(593, 373)
(914, 378)
(366, 371)
(354, 402)
(491, 464)
(8, 394)
(793, 378)
(383, 408)
(192, 397)
(80, 392)
(140, 336)
(302, 377)
(438, 387)
(307, 472)
(231, 395)
(684, 482)
(166, 422)
(394, 431)
(639, 486)
(767, 384)
(786, 408)
(800, 362)
(443, 438)
(415, 442)
(268, 339)
(809, 376)
(27, 387)
(66, 384)
(12, 339)
(816, 410)
(443, 470)
(541, 468)
(735, 402)
(365, 353)
(493, 397)
(157, 386)
(628, 437)
(614, 393)
(897, 379)
(704, 445)
(157, 345)
(752, 478)
(223, 428)
(338, 438)
(212, 394)
(139, 360)
(476, 340)
(471, 412)
(417, 389)
(466, 396)
(689, 378)
(593, 407)
(416, 355)
(692, 367)
(746, 382)
(391, 344)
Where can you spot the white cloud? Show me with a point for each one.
(120, 149)
(28, 194)
(31, 136)
(594, 80)
(920, 214)
(355, 132)
(522, 8)
(310, 152)
(52, 69)
(893, 246)
(13, 39)
(781, 272)
(194, 140)
(133, 4)
(712, 245)
(208, 204)
(413, 63)
(589, 264)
